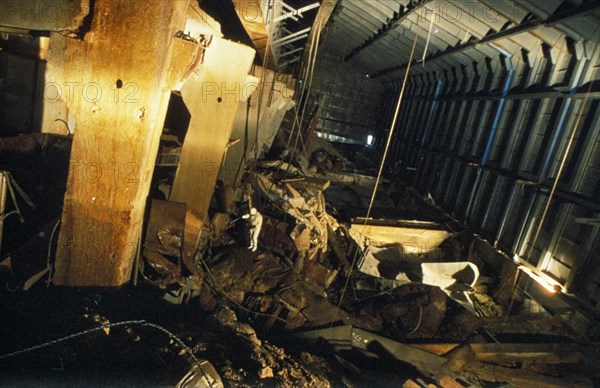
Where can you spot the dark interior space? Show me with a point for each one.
(322, 193)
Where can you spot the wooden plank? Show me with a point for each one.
(524, 378)
(119, 99)
(512, 352)
(185, 58)
(212, 95)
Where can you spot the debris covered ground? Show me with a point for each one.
(326, 299)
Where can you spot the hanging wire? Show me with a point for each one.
(271, 6)
(428, 37)
(306, 80)
(108, 326)
(310, 75)
(49, 255)
(310, 84)
(383, 160)
(214, 284)
(298, 117)
(13, 186)
(246, 138)
(561, 167)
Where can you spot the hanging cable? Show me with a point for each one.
(311, 74)
(49, 255)
(392, 128)
(214, 284)
(13, 186)
(246, 138)
(271, 6)
(297, 115)
(428, 37)
(305, 79)
(561, 168)
(108, 326)
(383, 160)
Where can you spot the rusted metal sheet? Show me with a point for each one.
(119, 98)
(164, 215)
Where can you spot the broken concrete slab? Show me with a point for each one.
(415, 239)
(164, 232)
(392, 262)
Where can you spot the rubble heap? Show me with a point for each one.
(321, 278)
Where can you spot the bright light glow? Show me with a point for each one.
(370, 140)
(551, 285)
(501, 50)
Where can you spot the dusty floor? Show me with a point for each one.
(251, 304)
(139, 355)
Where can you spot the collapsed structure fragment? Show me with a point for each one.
(350, 193)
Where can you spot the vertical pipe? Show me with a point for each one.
(3, 189)
(561, 127)
(488, 149)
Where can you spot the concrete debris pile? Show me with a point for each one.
(321, 161)
(404, 254)
(319, 156)
(243, 358)
(304, 272)
(396, 284)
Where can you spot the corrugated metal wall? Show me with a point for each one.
(351, 103)
(488, 141)
(496, 95)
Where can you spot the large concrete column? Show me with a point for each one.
(115, 84)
